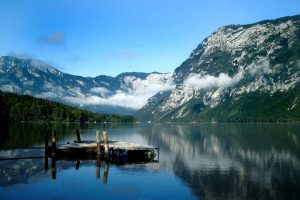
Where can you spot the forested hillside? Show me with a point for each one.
(19, 108)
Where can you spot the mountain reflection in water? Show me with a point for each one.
(204, 161)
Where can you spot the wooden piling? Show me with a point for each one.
(46, 139)
(78, 136)
(106, 147)
(53, 149)
(98, 148)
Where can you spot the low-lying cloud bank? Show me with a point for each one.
(101, 90)
(262, 66)
(208, 81)
(134, 99)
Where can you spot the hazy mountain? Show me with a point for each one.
(240, 72)
(121, 94)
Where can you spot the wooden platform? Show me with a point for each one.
(104, 149)
(117, 149)
(91, 146)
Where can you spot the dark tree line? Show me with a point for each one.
(25, 108)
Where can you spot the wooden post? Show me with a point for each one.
(78, 136)
(46, 139)
(98, 166)
(98, 149)
(106, 167)
(46, 150)
(106, 147)
(53, 143)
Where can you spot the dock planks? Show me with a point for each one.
(113, 145)
(109, 150)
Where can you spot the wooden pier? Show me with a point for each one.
(112, 150)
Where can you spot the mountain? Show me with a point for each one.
(239, 73)
(122, 94)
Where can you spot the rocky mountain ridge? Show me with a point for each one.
(121, 94)
(236, 61)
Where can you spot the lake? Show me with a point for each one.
(196, 161)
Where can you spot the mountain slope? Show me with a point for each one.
(239, 73)
(121, 94)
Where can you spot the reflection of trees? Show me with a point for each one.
(236, 161)
(32, 134)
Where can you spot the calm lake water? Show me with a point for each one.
(197, 161)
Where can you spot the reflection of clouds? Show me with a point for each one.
(230, 160)
(214, 146)
(207, 154)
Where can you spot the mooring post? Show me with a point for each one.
(46, 149)
(106, 147)
(78, 135)
(98, 149)
(53, 143)
(46, 139)
(106, 167)
(98, 166)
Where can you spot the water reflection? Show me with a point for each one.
(239, 161)
(77, 167)
(215, 161)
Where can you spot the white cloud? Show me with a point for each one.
(153, 89)
(134, 99)
(261, 66)
(37, 63)
(101, 90)
(47, 95)
(208, 81)
(20, 55)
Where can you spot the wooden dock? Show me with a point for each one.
(112, 150)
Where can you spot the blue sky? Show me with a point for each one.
(98, 37)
